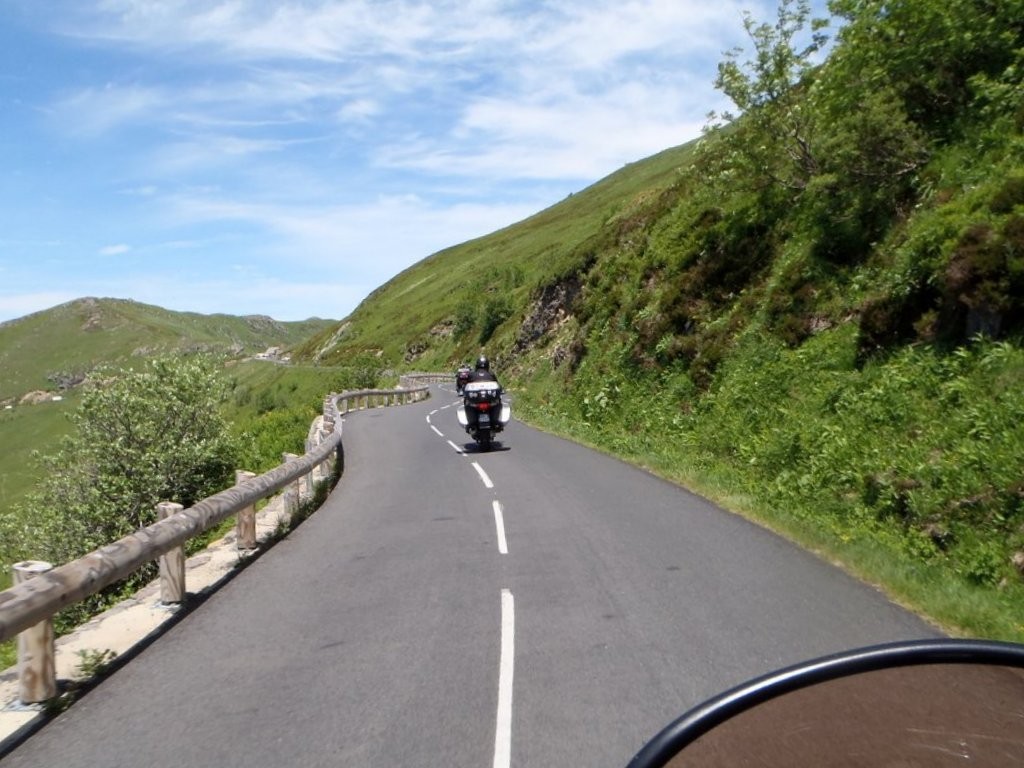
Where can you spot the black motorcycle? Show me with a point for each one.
(483, 414)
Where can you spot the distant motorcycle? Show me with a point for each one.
(462, 377)
(483, 414)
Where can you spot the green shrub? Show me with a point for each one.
(141, 436)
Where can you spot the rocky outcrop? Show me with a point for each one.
(263, 324)
(552, 307)
(443, 330)
(36, 397)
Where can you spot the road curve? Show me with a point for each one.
(539, 605)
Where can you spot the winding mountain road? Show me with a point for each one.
(539, 605)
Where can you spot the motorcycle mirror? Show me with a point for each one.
(933, 703)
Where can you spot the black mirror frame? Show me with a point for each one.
(702, 718)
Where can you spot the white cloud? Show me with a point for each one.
(554, 75)
(95, 111)
(359, 110)
(347, 138)
(372, 241)
(115, 250)
(289, 299)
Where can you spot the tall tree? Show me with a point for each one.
(775, 140)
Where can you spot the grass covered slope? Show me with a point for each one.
(815, 315)
(42, 350)
(53, 351)
(447, 306)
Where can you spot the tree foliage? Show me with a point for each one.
(776, 139)
(141, 436)
(928, 54)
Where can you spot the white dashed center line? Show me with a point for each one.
(483, 475)
(499, 523)
(503, 732)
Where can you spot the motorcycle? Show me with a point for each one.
(483, 414)
(462, 377)
(933, 703)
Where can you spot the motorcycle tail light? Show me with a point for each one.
(485, 406)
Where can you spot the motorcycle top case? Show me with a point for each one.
(484, 390)
(504, 418)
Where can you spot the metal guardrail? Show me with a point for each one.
(426, 378)
(29, 606)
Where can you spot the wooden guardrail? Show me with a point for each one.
(41, 591)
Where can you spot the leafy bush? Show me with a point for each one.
(141, 437)
(496, 310)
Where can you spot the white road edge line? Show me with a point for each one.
(503, 731)
(457, 449)
(483, 475)
(499, 522)
(439, 432)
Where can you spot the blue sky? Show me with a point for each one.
(286, 158)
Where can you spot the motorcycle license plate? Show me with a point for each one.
(485, 418)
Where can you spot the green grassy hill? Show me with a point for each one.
(43, 350)
(814, 316)
(439, 311)
(51, 351)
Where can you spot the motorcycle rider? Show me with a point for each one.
(482, 371)
(462, 377)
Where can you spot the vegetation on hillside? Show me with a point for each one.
(141, 405)
(46, 357)
(263, 409)
(270, 407)
(140, 437)
(55, 350)
(815, 313)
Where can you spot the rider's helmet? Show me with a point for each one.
(483, 364)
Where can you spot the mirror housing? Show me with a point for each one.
(930, 697)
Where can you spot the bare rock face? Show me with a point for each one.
(415, 351)
(262, 323)
(90, 307)
(1018, 562)
(65, 380)
(443, 330)
(551, 308)
(35, 397)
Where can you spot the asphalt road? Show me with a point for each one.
(539, 605)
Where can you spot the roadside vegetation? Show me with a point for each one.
(814, 314)
(46, 357)
(139, 437)
(104, 401)
(170, 428)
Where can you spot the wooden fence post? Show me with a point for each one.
(328, 429)
(37, 666)
(310, 481)
(172, 563)
(292, 492)
(245, 522)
